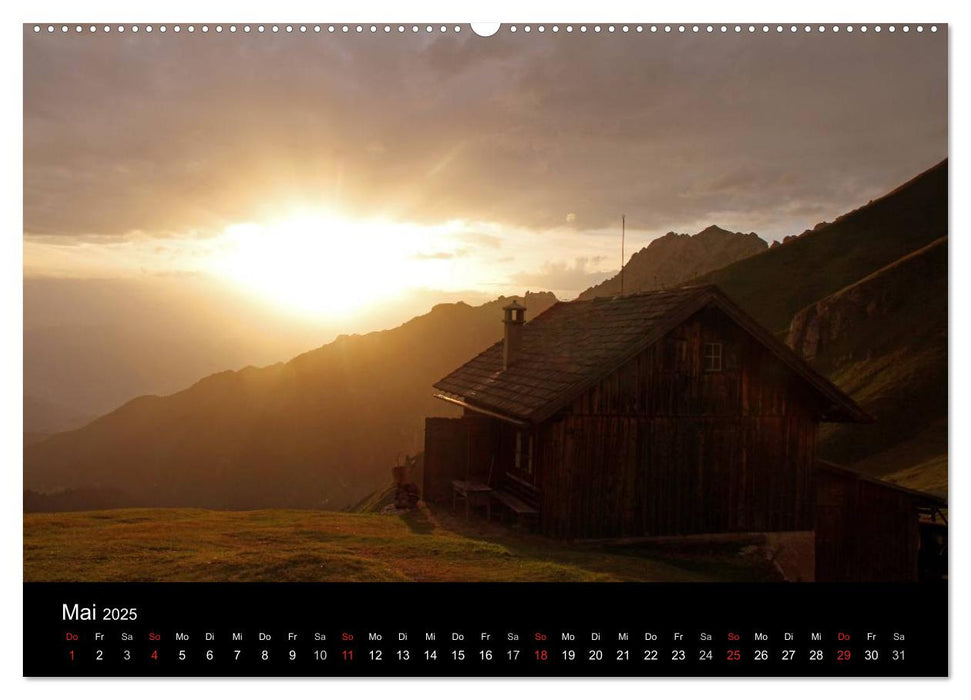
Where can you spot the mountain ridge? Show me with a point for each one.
(674, 258)
(823, 260)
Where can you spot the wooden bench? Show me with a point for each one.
(475, 494)
(525, 514)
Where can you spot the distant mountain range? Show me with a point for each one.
(865, 297)
(92, 344)
(41, 418)
(675, 258)
(321, 430)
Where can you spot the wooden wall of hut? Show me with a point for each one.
(664, 447)
(446, 457)
(864, 531)
(474, 447)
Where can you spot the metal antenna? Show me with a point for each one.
(623, 235)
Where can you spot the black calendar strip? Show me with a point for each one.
(485, 630)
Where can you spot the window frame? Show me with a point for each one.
(523, 453)
(679, 357)
(713, 357)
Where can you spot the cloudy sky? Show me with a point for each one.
(293, 165)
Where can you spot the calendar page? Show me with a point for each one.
(493, 350)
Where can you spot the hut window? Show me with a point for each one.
(678, 354)
(524, 453)
(712, 358)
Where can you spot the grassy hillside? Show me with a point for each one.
(774, 285)
(884, 341)
(321, 430)
(291, 545)
(929, 475)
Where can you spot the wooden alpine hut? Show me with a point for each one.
(663, 413)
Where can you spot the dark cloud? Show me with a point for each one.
(187, 133)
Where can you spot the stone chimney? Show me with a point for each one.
(513, 320)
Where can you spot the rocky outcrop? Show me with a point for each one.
(676, 258)
(823, 329)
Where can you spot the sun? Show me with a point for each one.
(319, 264)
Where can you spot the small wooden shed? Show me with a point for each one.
(871, 530)
(662, 413)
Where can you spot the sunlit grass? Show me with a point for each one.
(304, 545)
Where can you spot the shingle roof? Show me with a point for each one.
(924, 498)
(574, 344)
